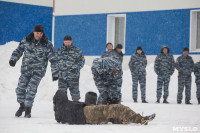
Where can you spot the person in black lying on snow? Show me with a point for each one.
(74, 112)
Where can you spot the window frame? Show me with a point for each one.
(111, 29)
(193, 31)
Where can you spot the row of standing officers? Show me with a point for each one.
(164, 68)
(68, 60)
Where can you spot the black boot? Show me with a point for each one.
(165, 101)
(198, 100)
(150, 117)
(27, 112)
(135, 100)
(20, 110)
(188, 102)
(146, 119)
(144, 101)
(106, 101)
(114, 101)
(158, 101)
(179, 102)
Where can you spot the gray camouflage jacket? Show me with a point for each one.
(36, 56)
(185, 65)
(112, 73)
(113, 54)
(137, 64)
(108, 53)
(197, 72)
(70, 61)
(164, 65)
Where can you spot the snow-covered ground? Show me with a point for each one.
(170, 118)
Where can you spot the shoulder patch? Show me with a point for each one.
(82, 55)
(53, 49)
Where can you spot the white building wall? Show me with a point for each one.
(75, 7)
(48, 3)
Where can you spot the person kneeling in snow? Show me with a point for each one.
(74, 112)
(107, 75)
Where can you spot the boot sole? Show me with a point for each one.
(27, 116)
(19, 115)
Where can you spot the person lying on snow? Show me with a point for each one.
(74, 112)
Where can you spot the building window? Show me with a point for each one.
(195, 31)
(116, 29)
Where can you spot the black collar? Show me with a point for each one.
(43, 40)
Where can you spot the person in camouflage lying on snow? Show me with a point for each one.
(73, 112)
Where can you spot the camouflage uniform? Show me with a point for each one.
(70, 61)
(119, 56)
(108, 53)
(109, 82)
(115, 113)
(34, 64)
(164, 68)
(197, 75)
(113, 54)
(185, 66)
(137, 66)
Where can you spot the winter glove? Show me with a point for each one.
(114, 101)
(116, 73)
(12, 63)
(157, 72)
(179, 74)
(171, 73)
(106, 101)
(55, 78)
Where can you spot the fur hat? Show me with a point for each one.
(38, 28)
(165, 46)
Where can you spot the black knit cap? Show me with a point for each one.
(90, 98)
(186, 49)
(38, 28)
(67, 37)
(139, 48)
(119, 46)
